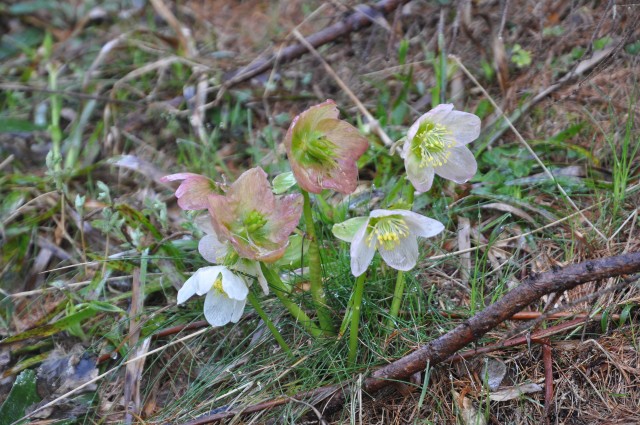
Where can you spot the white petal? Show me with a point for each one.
(465, 127)
(460, 167)
(262, 280)
(206, 277)
(404, 256)
(212, 249)
(420, 225)
(233, 285)
(188, 290)
(420, 177)
(253, 268)
(435, 115)
(361, 252)
(220, 310)
(203, 222)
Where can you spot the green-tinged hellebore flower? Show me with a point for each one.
(392, 232)
(252, 219)
(436, 143)
(217, 252)
(226, 294)
(323, 150)
(194, 190)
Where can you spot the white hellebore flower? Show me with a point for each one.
(216, 251)
(226, 294)
(392, 232)
(436, 143)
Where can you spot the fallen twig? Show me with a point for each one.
(362, 17)
(442, 349)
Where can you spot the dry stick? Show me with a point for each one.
(441, 349)
(355, 21)
(531, 289)
(526, 145)
(548, 377)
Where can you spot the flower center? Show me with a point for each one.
(387, 232)
(217, 286)
(254, 221)
(432, 144)
(316, 150)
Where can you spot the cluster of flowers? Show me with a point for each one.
(247, 224)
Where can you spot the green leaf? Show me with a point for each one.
(347, 229)
(16, 125)
(282, 182)
(295, 253)
(54, 328)
(23, 394)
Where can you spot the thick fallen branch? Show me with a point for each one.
(441, 349)
(362, 17)
(530, 290)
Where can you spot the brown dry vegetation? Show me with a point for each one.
(144, 111)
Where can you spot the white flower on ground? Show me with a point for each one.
(226, 294)
(435, 143)
(217, 252)
(392, 232)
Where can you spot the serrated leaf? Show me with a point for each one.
(347, 229)
(283, 182)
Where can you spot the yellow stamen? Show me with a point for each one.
(386, 232)
(217, 286)
(432, 144)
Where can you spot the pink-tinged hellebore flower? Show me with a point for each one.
(392, 232)
(217, 252)
(323, 150)
(436, 143)
(193, 191)
(226, 294)
(252, 219)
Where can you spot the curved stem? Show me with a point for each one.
(355, 317)
(315, 269)
(397, 300)
(283, 293)
(255, 303)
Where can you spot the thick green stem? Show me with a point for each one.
(283, 294)
(355, 318)
(315, 270)
(274, 331)
(397, 300)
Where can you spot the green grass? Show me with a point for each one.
(71, 214)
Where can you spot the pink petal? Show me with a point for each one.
(193, 192)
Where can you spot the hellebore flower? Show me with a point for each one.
(193, 191)
(436, 143)
(323, 150)
(226, 294)
(217, 252)
(252, 219)
(392, 232)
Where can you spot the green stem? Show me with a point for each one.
(274, 331)
(397, 300)
(315, 269)
(398, 292)
(283, 293)
(355, 318)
